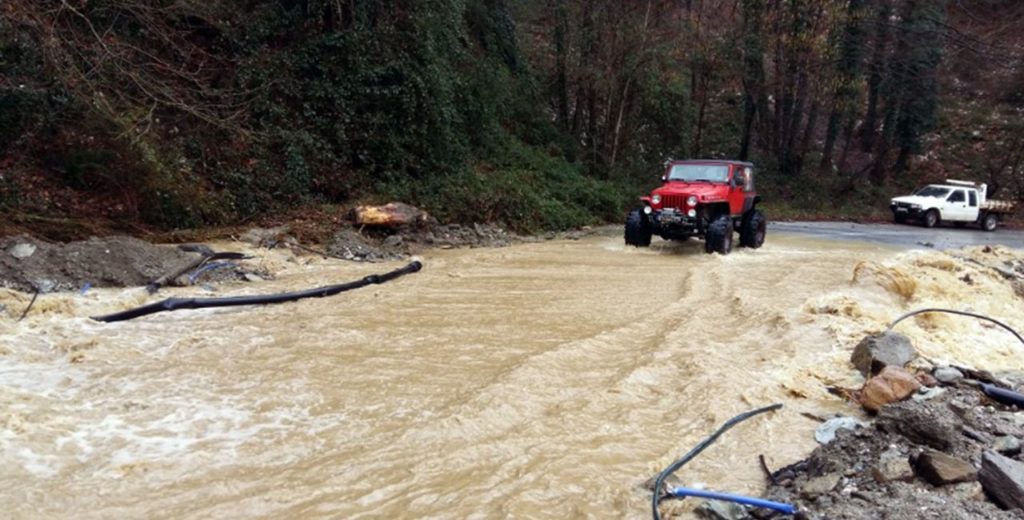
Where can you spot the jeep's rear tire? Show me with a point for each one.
(638, 233)
(718, 237)
(753, 229)
(990, 222)
(930, 218)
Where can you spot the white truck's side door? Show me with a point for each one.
(957, 206)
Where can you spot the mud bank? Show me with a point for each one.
(29, 264)
(369, 244)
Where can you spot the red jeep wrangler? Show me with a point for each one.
(701, 198)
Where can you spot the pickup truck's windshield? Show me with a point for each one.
(699, 172)
(932, 191)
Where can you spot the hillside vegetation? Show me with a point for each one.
(535, 114)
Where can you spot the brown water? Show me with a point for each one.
(542, 380)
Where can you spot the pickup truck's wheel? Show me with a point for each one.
(718, 237)
(638, 233)
(990, 222)
(753, 229)
(931, 218)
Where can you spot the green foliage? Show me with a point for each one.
(535, 113)
(527, 190)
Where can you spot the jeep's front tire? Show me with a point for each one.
(930, 218)
(898, 217)
(753, 229)
(638, 233)
(718, 237)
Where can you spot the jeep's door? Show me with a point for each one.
(741, 189)
(956, 207)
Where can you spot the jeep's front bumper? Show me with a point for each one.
(673, 222)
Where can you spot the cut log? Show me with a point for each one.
(393, 214)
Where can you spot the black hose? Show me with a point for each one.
(672, 468)
(173, 304)
(962, 313)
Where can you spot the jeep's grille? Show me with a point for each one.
(673, 201)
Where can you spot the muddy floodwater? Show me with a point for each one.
(542, 380)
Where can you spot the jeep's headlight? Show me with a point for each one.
(647, 210)
(692, 201)
(915, 206)
(656, 199)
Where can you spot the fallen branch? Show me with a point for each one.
(155, 285)
(30, 304)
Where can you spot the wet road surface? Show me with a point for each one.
(907, 236)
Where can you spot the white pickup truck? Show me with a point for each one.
(960, 202)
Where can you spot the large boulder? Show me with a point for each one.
(878, 351)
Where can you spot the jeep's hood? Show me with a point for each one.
(702, 190)
(924, 202)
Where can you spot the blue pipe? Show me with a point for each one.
(681, 492)
(1003, 395)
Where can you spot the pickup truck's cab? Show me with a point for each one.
(960, 202)
(709, 198)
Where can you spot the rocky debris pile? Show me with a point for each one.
(954, 456)
(29, 264)
(938, 447)
(395, 231)
(376, 246)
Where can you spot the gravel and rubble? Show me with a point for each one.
(955, 455)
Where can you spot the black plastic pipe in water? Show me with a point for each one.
(174, 304)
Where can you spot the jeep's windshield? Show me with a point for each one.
(699, 172)
(932, 191)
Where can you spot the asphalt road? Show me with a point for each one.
(908, 236)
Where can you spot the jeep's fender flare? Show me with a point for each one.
(715, 209)
(750, 204)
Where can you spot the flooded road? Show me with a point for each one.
(544, 380)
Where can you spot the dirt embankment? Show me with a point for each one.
(30, 264)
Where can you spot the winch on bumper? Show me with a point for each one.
(670, 222)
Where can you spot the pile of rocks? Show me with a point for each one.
(937, 448)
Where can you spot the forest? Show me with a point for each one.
(535, 114)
